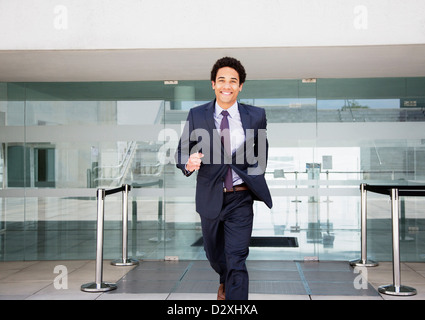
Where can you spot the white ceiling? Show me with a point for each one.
(195, 64)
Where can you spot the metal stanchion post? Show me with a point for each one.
(363, 262)
(99, 285)
(396, 288)
(125, 261)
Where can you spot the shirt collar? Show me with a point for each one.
(232, 110)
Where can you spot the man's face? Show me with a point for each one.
(226, 87)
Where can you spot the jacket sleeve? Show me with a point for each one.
(185, 145)
(261, 146)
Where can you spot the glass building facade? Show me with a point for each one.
(59, 142)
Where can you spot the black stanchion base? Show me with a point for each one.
(125, 262)
(363, 263)
(98, 287)
(397, 291)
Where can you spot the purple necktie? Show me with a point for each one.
(225, 140)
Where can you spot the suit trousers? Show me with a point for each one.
(226, 242)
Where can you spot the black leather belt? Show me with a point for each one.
(239, 187)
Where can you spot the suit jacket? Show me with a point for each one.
(249, 161)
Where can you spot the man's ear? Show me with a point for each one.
(213, 85)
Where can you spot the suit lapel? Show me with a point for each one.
(246, 124)
(215, 140)
(209, 116)
(245, 118)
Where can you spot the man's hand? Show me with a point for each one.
(194, 162)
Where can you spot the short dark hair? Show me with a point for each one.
(231, 63)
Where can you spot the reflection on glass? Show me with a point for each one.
(325, 139)
(358, 104)
(14, 113)
(2, 166)
(369, 110)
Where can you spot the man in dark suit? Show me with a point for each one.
(226, 143)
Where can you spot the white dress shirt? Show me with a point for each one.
(237, 135)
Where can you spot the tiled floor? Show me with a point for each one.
(194, 280)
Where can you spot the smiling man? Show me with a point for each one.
(226, 189)
(227, 87)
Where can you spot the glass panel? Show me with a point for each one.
(369, 130)
(13, 240)
(62, 113)
(182, 222)
(81, 136)
(13, 161)
(61, 141)
(291, 116)
(62, 228)
(2, 162)
(3, 112)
